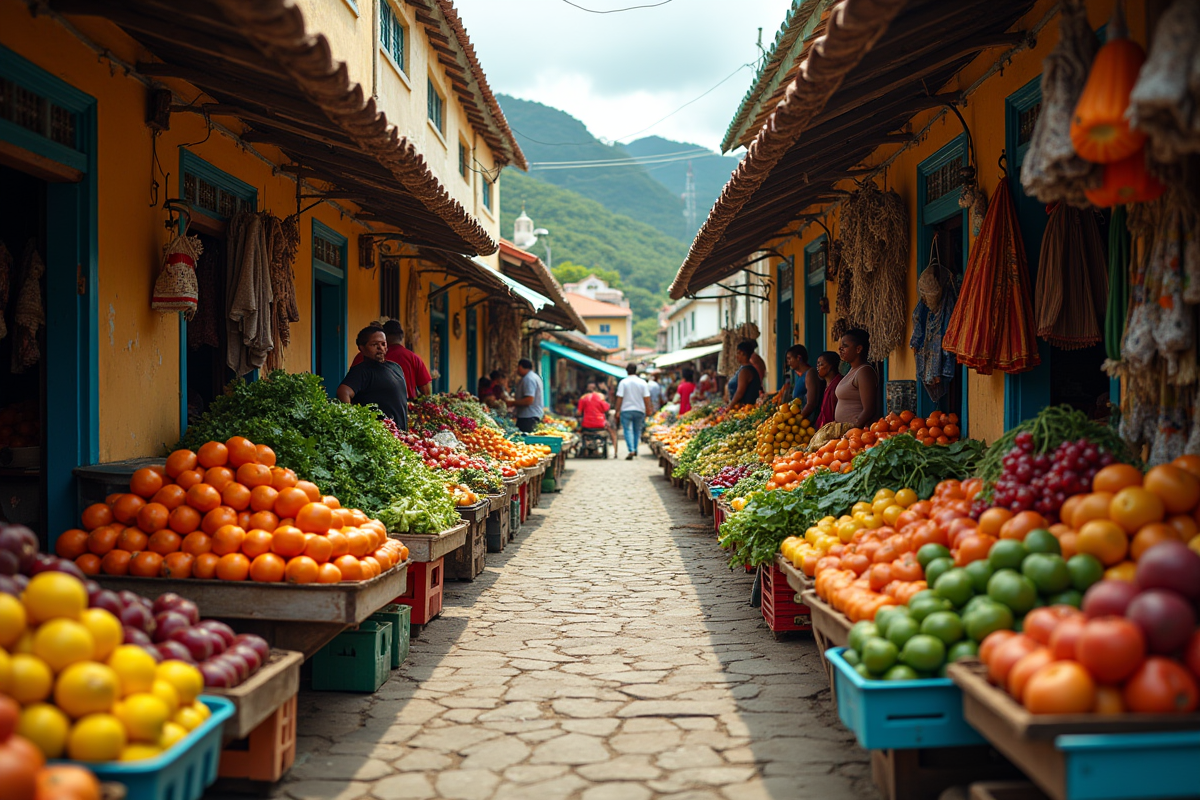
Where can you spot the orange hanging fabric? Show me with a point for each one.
(992, 325)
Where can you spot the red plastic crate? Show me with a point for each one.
(424, 591)
(268, 752)
(779, 607)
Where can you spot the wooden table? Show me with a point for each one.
(796, 579)
(431, 547)
(289, 616)
(831, 628)
(468, 561)
(263, 692)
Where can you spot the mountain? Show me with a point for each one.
(549, 135)
(711, 172)
(585, 232)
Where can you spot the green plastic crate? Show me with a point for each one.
(359, 660)
(549, 485)
(399, 615)
(553, 442)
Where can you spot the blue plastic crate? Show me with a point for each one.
(181, 773)
(715, 492)
(899, 715)
(1120, 766)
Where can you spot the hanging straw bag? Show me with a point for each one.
(929, 284)
(176, 288)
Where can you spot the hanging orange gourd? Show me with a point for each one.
(1100, 131)
(1126, 181)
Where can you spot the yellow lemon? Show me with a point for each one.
(139, 751)
(846, 530)
(5, 671)
(63, 642)
(880, 505)
(861, 507)
(186, 679)
(173, 733)
(45, 726)
(906, 497)
(135, 668)
(166, 692)
(96, 737)
(32, 679)
(188, 718)
(86, 688)
(12, 620)
(51, 595)
(204, 711)
(872, 521)
(892, 513)
(105, 629)
(143, 716)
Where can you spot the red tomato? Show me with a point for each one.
(1161, 686)
(992, 641)
(1025, 668)
(1006, 655)
(1066, 636)
(1041, 622)
(1111, 648)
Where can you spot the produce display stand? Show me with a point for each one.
(721, 512)
(796, 579)
(467, 561)
(704, 499)
(289, 616)
(274, 684)
(1085, 756)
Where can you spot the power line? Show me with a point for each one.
(550, 144)
(615, 10)
(685, 105)
(694, 155)
(693, 151)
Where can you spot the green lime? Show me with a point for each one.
(859, 633)
(878, 655)
(955, 586)
(979, 571)
(937, 568)
(921, 595)
(923, 652)
(850, 657)
(960, 650)
(1007, 554)
(923, 607)
(902, 629)
(931, 551)
(1071, 597)
(891, 614)
(901, 672)
(1012, 589)
(862, 670)
(945, 625)
(1040, 540)
(987, 617)
(1085, 570)
(1048, 572)
(976, 601)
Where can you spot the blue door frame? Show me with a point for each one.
(72, 349)
(786, 280)
(472, 351)
(928, 215)
(193, 170)
(438, 324)
(814, 290)
(330, 337)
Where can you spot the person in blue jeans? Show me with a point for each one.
(633, 406)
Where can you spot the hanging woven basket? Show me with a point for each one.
(176, 288)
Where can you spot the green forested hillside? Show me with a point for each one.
(711, 171)
(587, 233)
(547, 134)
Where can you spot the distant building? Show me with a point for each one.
(690, 319)
(596, 289)
(608, 324)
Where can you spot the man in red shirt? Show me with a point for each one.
(416, 374)
(592, 407)
(686, 387)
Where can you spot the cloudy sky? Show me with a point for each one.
(622, 72)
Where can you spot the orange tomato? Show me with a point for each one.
(266, 456)
(329, 573)
(314, 518)
(1062, 687)
(203, 498)
(165, 542)
(178, 565)
(153, 517)
(1185, 526)
(310, 489)
(339, 544)
(1006, 655)
(97, 515)
(89, 563)
(1116, 477)
(1178, 489)
(993, 519)
(257, 542)
(184, 519)
(1150, 535)
(233, 567)
(218, 477)
(301, 569)
(236, 496)
(1021, 524)
(1109, 700)
(349, 567)
(267, 520)
(1189, 462)
(254, 475)
(196, 543)
(1025, 668)
(267, 568)
(227, 539)
(103, 539)
(218, 518)
(170, 496)
(71, 544)
(241, 451)
(262, 498)
(318, 547)
(116, 562)
(1133, 507)
(287, 542)
(181, 461)
(146, 564)
(145, 482)
(1104, 539)
(212, 454)
(126, 509)
(973, 547)
(283, 479)
(205, 566)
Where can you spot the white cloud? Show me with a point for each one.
(619, 73)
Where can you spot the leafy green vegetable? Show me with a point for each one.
(344, 449)
(690, 456)
(754, 534)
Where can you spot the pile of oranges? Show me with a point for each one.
(836, 454)
(228, 512)
(937, 428)
(491, 441)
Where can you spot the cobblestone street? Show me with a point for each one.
(607, 654)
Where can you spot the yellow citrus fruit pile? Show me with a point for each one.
(83, 694)
(783, 432)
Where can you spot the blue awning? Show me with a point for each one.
(586, 361)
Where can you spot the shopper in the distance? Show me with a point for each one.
(633, 406)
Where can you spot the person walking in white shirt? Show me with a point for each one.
(633, 406)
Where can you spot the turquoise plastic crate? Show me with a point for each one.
(1123, 766)
(181, 773)
(400, 616)
(553, 442)
(358, 660)
(899, 715)
(714, 492)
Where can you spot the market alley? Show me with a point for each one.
(608, 653)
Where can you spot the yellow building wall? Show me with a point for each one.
(985, 116)
(139, 348)
(617, 326)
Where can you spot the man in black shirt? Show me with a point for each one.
(376, 381)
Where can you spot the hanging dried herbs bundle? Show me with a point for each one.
(283, 240)
(875, 253)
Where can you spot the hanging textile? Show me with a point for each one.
(248, 316)
(6, 275)
(1072, 280)
(992, 324)
(412, 313)
(30, 314)
(204, 328)
(1051, 170)
(935, 366)
(1118, 284)
(283, 240)
(1165, 101)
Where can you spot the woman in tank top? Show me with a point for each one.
(858, 392)
(746, 385)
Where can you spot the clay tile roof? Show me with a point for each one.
(587, 307)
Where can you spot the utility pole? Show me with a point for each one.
(689, 201)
